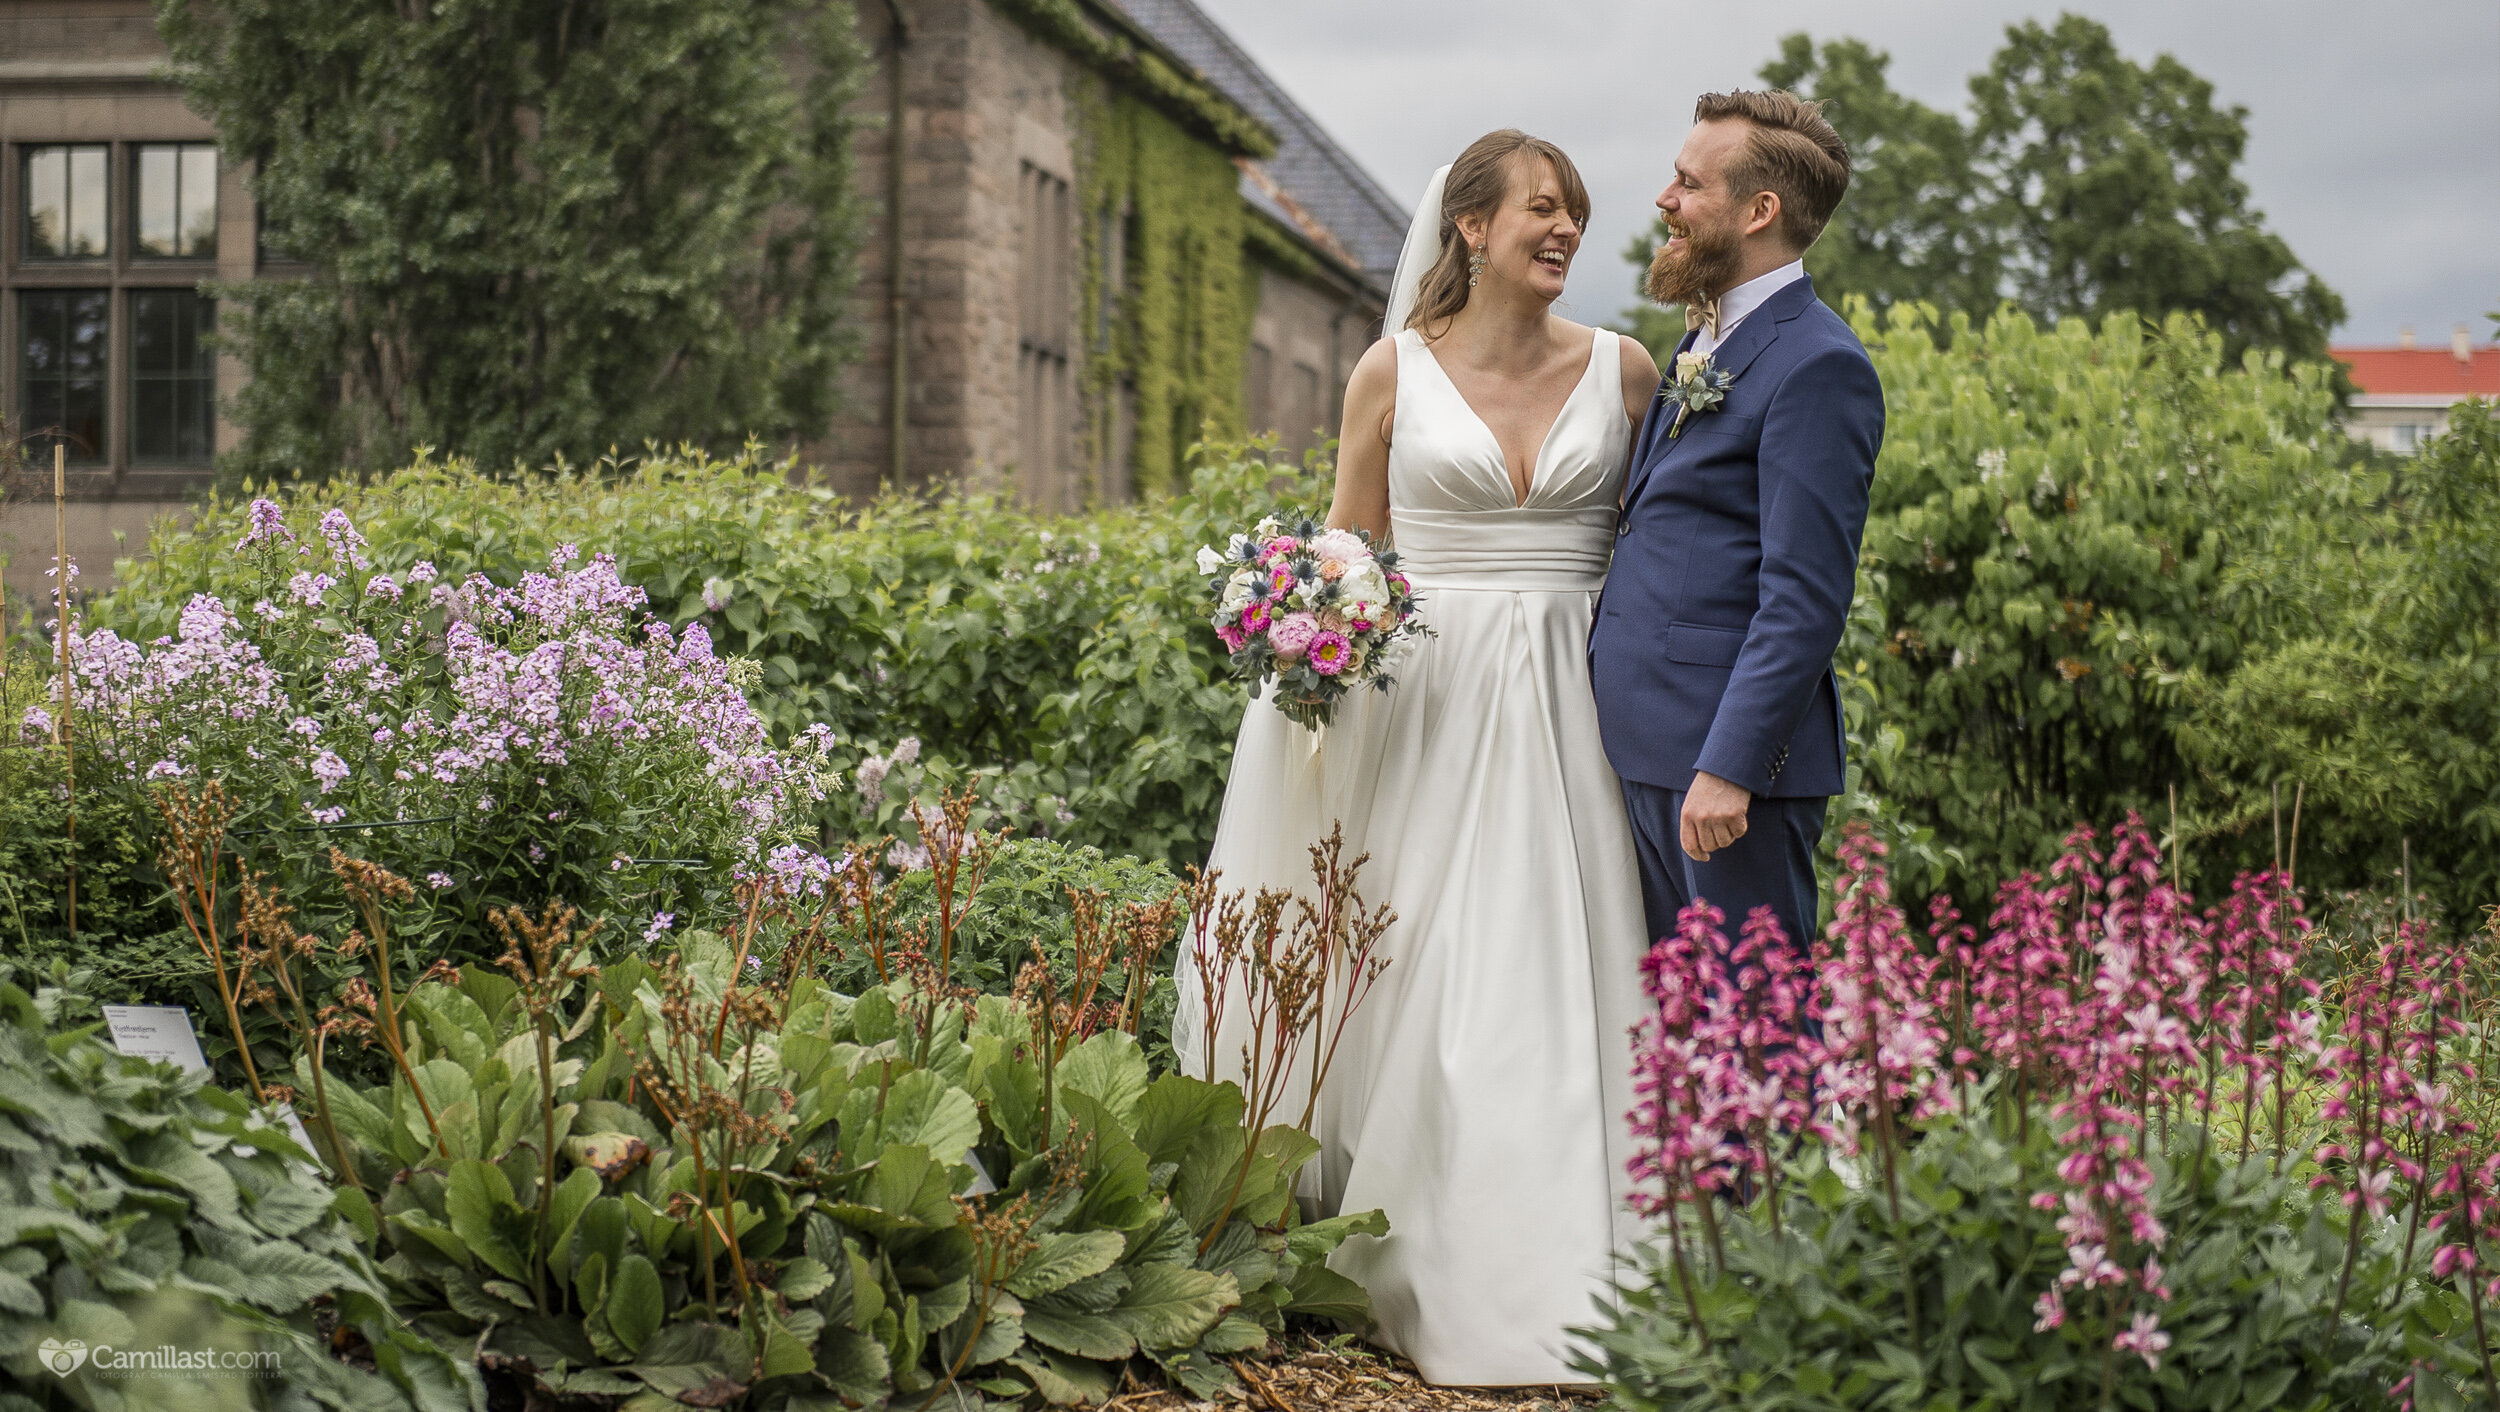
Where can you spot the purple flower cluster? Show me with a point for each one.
(352, 697)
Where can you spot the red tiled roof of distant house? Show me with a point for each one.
(2422, 372)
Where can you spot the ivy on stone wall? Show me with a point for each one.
(1175, 330)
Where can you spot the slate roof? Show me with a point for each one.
(1310, 185)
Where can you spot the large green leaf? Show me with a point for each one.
(1085, 1335)
(1168, 1306)
(1064, 1381)
(635, 1302)
(283, 1277)
(1314, 1241)
(1115, 1190)
(1176, 1108)
(1322, 1293)
(918, 1109)
(480, 1210)
(1108, 1068)
(1060, 1259)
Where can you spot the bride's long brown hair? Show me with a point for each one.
(1478, 181)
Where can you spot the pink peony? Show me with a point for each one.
(1282, 545)
(1343, 547)
(1292, 635)
(1329, 652)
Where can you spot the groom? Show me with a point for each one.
(1737, 554)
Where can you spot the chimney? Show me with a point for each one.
(2404, 338)
(2461, 343)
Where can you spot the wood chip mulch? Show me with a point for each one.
(1308, 1375)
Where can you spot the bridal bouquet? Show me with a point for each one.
(1312, 607)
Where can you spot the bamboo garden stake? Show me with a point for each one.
(60, 717)
(60, 579)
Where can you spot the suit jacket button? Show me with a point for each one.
(1622, 528)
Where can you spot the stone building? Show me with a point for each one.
(1102, 229)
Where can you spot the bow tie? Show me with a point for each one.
(1703, 314)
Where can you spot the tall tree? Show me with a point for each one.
(2082, 183)
(2116, 186)
(532, 228)
(1906, 230)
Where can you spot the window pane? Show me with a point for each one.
(47, 200)
(175, 187)
(158, 177)
(199, 201)
(65, 211)
(172, 377)
(87, 183)
(61, 370)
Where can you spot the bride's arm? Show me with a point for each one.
(1371, 399)
(1640, 383)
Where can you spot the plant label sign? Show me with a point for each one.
(164, 1032)
(157, 1032)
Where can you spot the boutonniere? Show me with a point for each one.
(1697, 386)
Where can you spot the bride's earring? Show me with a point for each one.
(1475, 267)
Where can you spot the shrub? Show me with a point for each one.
(141, 1208)
(2053, 518)
(1070, 654)
(1027, 900)
(129, 937)
(501, 744)
(2370, 693)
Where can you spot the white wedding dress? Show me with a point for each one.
(1481, 1093)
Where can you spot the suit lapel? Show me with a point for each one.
(1759, 331)
(1658, 416)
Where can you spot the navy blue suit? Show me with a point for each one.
(1736, 561)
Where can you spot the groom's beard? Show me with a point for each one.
(1703, 271)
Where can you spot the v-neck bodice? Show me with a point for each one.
(1453, 509)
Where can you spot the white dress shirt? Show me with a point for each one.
(1744, 299)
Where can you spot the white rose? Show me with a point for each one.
(1237, 592)
(1688, 364)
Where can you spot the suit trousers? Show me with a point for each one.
(1773, 864)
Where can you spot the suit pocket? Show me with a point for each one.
(1701, 645)
(1716, 424)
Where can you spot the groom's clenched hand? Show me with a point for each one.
(1714, 814)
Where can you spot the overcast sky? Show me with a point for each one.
(2374, 129)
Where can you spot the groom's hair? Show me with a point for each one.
(1792, 153)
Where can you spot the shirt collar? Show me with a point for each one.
(1753, 293)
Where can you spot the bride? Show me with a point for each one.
(1479, 1098)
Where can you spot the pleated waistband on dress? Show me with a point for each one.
(1528, 550)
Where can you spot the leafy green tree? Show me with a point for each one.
(2082, 183)
(1907, 229)
(2372, 688)
(2116, 187)
(532, 228)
